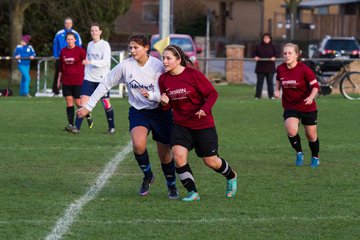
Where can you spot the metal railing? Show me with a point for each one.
(216, 66)
(43, 78)
(216, 70)
(44, 91)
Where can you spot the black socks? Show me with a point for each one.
(295, 143)
(186, 177)
(144, 164)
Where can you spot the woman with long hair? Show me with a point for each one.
(140, 73)
(191, 97)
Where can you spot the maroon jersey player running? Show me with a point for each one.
(299, 86)
(191, 96)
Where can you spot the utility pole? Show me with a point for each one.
(207, 42)
(164, 25)
(172, 16)
(292, 6)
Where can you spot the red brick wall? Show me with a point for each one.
(132, 22)
(234, 68)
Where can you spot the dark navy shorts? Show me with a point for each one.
(205, 141)
(89, 87)
(157, 121)
(307, 118)
(71, 90)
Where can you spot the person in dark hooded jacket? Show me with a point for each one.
(264, 55)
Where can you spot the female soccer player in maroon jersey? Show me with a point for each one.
(299, 87)
(191, 96)
(71, 76)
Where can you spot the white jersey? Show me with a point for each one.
(135, 77)
(100, 56)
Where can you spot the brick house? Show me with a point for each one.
(142, 17)
(243, 21)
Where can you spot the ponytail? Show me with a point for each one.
(179, 54)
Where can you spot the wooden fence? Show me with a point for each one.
(336, 25)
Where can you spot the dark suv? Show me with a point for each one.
(337, 47)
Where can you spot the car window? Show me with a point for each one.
(184, 43)
(338, 45)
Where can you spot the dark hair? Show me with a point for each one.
(70, 33)
(140, 39)
(266, 35)
(95, 24)
(179, 54)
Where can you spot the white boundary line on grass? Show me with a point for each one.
(245, 220)
(64, 223)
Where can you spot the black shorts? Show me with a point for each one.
(307, 118)
(71, 90)
(205, 141)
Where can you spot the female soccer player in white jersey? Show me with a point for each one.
(97, 65)
(140, 73)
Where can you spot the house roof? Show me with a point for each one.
(309, 4)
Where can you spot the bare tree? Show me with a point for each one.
(17, 12)
(45, 17)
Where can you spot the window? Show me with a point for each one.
(323, 10)
(150, 13)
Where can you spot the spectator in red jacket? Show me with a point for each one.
(191, 96)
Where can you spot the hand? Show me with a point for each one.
(164, 99)
(144, 92)
(256, 58)
(277, 94)
(272, 58)
(200, 114)
(84, 62)
(31, 57)
(59, 82)
(82, 112)
(17, 56)
(308, 100)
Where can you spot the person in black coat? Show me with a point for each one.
(265, 68)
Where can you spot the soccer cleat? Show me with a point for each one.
(299, 159)
(231, 187)
(145, 186)
(74, 130)
(90, 121)
(315, 162)
(69, 128)
(111, 130)
(191, 197)
(173, 193)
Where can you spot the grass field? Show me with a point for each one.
(43, 170)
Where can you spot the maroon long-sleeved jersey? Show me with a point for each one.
(189, 92)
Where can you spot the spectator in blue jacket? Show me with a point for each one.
(59, 43)
(24, 51)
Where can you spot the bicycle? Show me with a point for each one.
(348, 81)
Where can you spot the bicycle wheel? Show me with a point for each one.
(350, 86)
